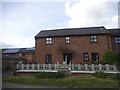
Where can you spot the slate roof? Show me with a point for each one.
(115, 32)
(17, 50)
(11, 50)
(22, 50)
(72, 31)
(30, 50)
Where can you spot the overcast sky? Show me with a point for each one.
(21, 21)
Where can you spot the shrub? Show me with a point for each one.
(106, 75)
(49, 75)
(110, 57)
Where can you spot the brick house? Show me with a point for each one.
(75, 45)
(11, 56)
(115, 39)
(28, 54)
(25, 54)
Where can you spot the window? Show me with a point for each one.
(48, 40)
(117, 40)
(67, 39)
(86, 56)
(93, 38)
(48, 58)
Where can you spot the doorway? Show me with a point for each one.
(48, 59)
(67, 58)
(94, 57)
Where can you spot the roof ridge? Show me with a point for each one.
(72, 28)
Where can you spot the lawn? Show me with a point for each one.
(71, 81)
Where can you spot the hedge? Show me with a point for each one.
(106, 75)
(50, 75)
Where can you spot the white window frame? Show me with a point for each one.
(86, 56)
(117, 40)
(67, 39)
(93, 39)
(49, 40)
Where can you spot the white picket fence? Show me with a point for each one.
(73, 68)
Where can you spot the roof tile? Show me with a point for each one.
(72, 31)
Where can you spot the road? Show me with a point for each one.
(17, 85)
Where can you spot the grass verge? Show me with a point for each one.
(71, 81)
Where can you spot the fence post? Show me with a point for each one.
(17, 66)
(38, 65)
(79, 67)
(100, 67)
(22, 66)
(93, 67)
(49, 66)
(114, 68)
(107, 67)
(32, 66)
(72, 67)
(86, 67)
(27, 66)
(43, 66)
(55, 66)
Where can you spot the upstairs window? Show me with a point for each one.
(86, 56)
(48, 40)
(93, 39)
(67, 39)
(117, 40)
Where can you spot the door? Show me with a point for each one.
(67, 58)
(94, 57)
(48, 59)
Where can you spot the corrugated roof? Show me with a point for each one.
(72, 31)
(11, 50)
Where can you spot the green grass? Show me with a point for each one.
(71, 81)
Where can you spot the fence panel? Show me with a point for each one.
(71, 67)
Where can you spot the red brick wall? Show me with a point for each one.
(115, 47)
(78, 45)
(32, 73)
(29, 57)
